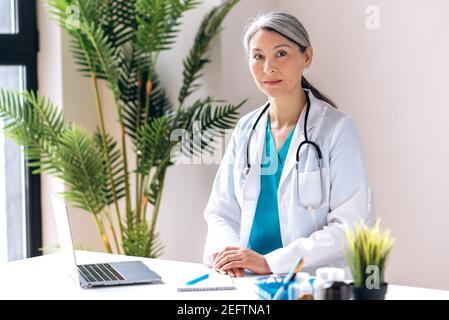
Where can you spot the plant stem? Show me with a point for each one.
(156, 207)
(125, 165)
(139, 177)
(105, 148)
(137, 193)
(144, 201)
(149, 86)
(160, 171)
(111, 227)
(104, 237)
(148, 89)
(111, 80)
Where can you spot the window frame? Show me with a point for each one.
(21, 49)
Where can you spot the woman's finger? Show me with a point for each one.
(239, 272)
(232, 264)
(223, 256)
(220, 254)
(227, 258)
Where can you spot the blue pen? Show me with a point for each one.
(203, 277)
(291, 275)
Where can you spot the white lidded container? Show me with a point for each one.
(300, 289)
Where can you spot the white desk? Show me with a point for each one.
(44, 278)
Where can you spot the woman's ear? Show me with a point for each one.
(308, 55)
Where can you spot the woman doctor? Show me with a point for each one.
(291, 180)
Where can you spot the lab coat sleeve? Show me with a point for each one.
(223, 212)
(348, 205)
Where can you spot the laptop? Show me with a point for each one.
(96, 274)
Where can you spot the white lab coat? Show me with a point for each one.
(318, 236)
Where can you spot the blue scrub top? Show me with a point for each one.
(265, 233)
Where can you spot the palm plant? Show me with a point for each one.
(119, 42)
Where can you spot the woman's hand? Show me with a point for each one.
(233, 272)
(241, 258)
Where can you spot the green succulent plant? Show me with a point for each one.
(119, 42)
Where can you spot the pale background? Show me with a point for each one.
(391, 80)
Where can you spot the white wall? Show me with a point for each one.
(386, 79)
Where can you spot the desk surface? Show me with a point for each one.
(44, 278)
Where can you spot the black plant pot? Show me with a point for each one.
(370, 294)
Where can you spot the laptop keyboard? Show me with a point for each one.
(99, 272)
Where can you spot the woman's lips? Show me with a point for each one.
(270, 83)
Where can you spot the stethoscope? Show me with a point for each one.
(315, 203)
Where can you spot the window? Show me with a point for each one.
(20, 209)
(8, 13)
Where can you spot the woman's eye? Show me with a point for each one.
(258, 56)
(282, 53)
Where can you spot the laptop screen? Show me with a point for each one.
(65, 236)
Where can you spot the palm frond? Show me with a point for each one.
(116, 163)
(134, 74)
(204, 122)
(154, 190)
(152, 144)
(159, 22)
(118, 20)
(138, 241)
(69, 15)
(33, 122)
(91, 45)
(196, 58)
(106, 54)
(81, 167)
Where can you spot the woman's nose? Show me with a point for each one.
(269, 66)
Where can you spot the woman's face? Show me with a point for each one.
(276, 63)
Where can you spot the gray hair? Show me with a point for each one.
(289, 27)
(280, 22)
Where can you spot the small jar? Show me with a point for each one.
(324, 276)
(300, 289)
(337, 290)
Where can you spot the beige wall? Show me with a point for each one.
(385, 78)
(59, 80)
(393, 81)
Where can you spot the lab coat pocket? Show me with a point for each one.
(310, 189)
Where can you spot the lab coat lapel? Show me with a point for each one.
(314, 116)
(251, 187)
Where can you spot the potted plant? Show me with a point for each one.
(366, 255)
(118, 42)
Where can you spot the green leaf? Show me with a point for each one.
(158, 22)
(118, 19)
(81, 167)
(117, 167)
(153, 144)
(367, 247)
(33, 122)
(196, 58)
(133, 97)
(138, 241)
(205, 123)
(93, 48)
